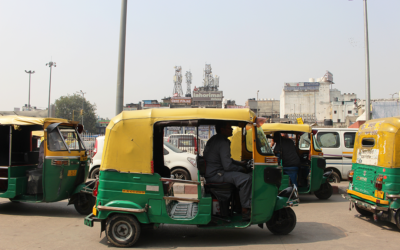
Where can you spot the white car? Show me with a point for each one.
(182, 164)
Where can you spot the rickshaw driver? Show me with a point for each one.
(220, 167)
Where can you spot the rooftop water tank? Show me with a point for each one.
(311, 80)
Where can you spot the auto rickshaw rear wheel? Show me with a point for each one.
(335, 178)
(84, 204)
(282, 221)
(123, 230)
(324, 192)
(364, 212)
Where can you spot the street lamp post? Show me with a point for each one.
(367, 83)
(257, 101)
(50, 64)
(121, 60)
(83, 102)
(30, 72)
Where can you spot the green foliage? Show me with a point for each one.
(70, 106)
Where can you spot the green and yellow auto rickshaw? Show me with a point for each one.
(44, 160)
(374, 188)
(135, 190)
(311, 176)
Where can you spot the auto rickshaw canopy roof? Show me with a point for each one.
(377, 143)
(277, 127)
(26, 120)
(128, 144)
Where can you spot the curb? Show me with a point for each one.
(192, 189)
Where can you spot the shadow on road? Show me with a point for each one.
(174, 236)
(380, 225)
(56, 209)
(310, 198)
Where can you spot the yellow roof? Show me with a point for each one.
(385, 133)
(128, 144)
(26, 120)
(276, 127)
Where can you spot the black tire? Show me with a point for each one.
(282, 221)
(94, 174)
(84, 205)
(123, 230)
(324, 192)
(334, 178)
(181, 174)
(364, 212)
(397, 218)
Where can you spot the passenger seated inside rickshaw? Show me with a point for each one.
(296, 167)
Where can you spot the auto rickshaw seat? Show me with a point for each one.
(223, 191)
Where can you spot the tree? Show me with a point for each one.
(70, 107)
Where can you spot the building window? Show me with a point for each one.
(334, 111)
(349, 112)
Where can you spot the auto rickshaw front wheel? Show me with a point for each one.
(324, 192)
(123, 230)
(84, 204)
(282, 221)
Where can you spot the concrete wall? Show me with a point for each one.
(385, 109)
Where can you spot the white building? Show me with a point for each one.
(316, 101)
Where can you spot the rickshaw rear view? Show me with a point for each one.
(374, 188)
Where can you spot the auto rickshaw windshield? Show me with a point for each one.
(64, 138)
(261, 142)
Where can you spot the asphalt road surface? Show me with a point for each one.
(320, 225)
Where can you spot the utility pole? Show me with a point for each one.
(121, 60)
(30, 72)
(83, 102)
(50, 64)
(367, 82)
(257, 101)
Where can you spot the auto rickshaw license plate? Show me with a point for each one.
(72, 172)
(379, 194)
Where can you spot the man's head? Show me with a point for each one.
(277, 136)
(224, 128)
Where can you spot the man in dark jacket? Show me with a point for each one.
(288, 154)
(222, 168)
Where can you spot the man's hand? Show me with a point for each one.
(243, 163)
(243, 170)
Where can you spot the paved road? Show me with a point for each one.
(320, 225)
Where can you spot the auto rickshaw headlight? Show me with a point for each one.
(351, 173)
(378, 182)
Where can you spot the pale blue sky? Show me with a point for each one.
(252, 45)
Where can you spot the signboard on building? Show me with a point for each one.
(207, 96)
(129, 108)
(187, 100)
(300, 120)
(302, 86)
(152, 105)
(236, 107)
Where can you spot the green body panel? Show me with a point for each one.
(111, 186)
(316, 178)
(142, 217)
(57, 185)
(18, 180)
(364, 182)
(264, 196)
(285, 182)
